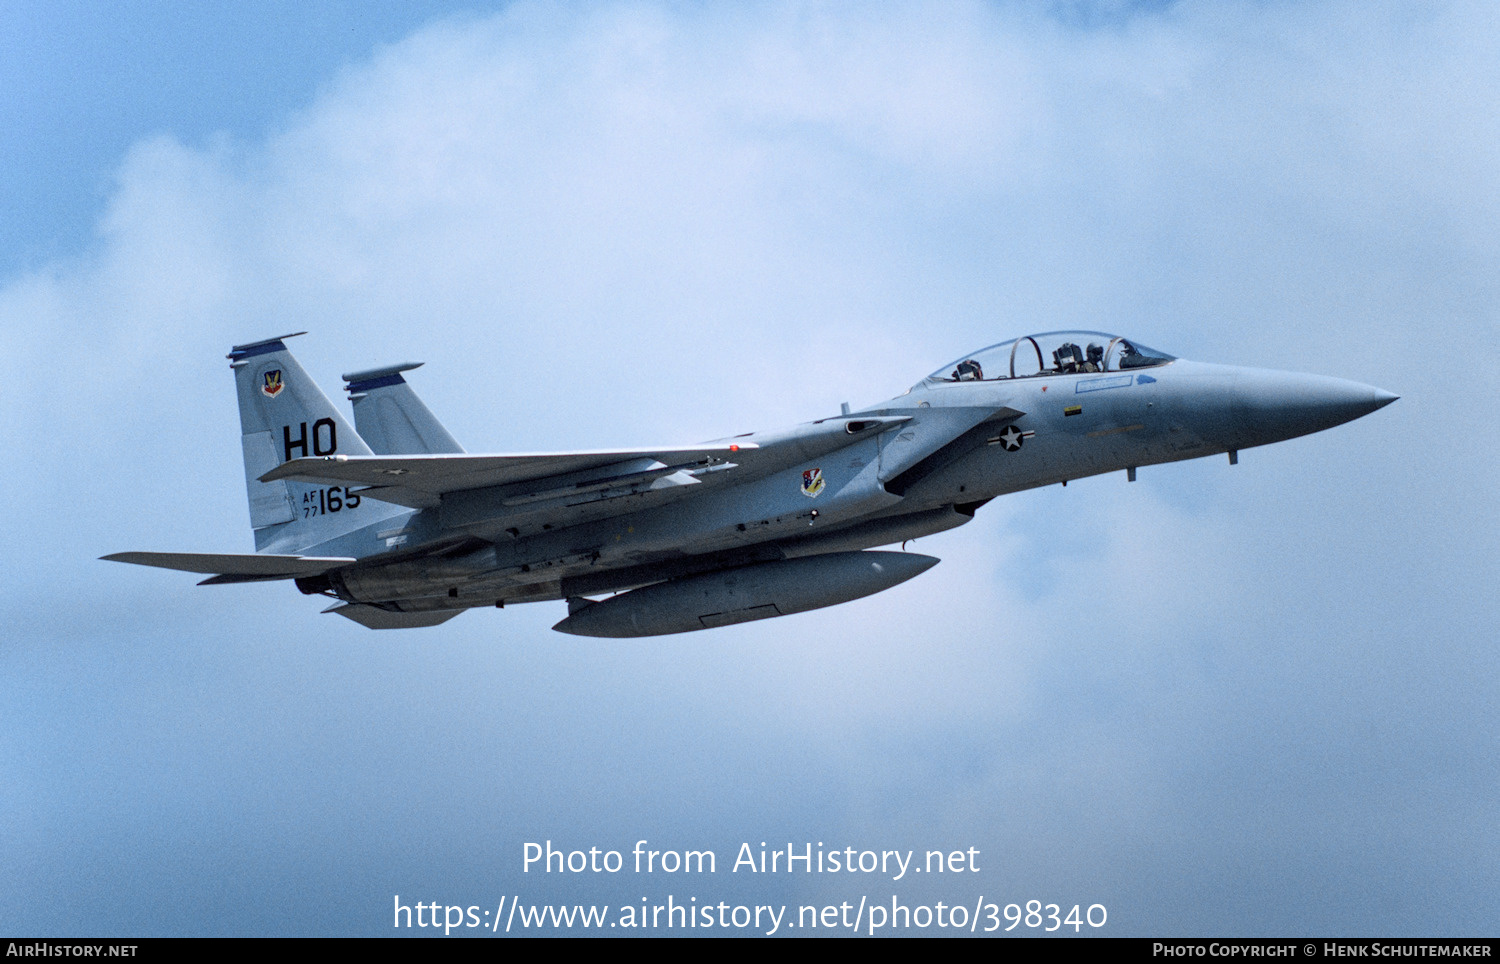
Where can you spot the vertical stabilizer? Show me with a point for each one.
(284, 415)
(391, 418)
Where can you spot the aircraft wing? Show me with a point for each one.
(419, 480)
(241, 567)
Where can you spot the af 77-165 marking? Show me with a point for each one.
(395, 521)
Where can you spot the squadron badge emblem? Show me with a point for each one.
(812, 483)
(271, 384)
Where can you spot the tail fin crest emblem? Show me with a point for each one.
(272, 385)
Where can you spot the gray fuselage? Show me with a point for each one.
(917, 464)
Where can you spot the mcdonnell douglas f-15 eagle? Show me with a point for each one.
(394, 520)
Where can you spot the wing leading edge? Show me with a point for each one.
(420, 480)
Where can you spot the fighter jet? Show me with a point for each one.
(392, 519)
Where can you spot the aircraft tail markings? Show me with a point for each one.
(285, 416)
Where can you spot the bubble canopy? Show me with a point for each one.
(1052, 353)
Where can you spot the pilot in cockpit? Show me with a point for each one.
(1068, 359)
(1095, 362)
(968, 370)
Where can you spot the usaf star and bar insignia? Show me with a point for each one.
(1011, 438)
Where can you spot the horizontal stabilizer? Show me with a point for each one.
(231, 579)
(373, 617)
(436, 475)
(258, 566)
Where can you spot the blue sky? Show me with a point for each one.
(1249, 700)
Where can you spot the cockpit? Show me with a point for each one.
(1053, 353)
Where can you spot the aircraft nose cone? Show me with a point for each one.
(1280, 405)
(1343, 401)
